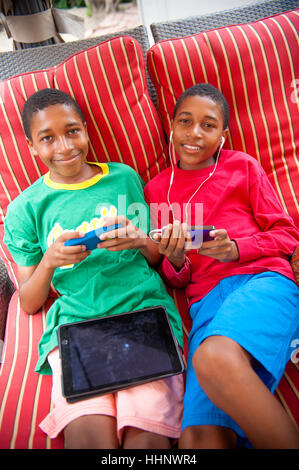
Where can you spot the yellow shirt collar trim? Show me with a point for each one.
(83, 184)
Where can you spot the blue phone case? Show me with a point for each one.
(91, 239)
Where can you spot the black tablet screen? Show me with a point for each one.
(117, 350)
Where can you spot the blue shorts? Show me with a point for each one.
(261, 313)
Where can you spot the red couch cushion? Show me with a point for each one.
(255, 66)
(109, 83)
(24, 394)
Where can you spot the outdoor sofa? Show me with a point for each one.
(128, 107)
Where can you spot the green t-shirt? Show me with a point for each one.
(106, 283)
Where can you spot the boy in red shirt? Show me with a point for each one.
(243, 299)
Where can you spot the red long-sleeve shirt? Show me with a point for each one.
(239, 198)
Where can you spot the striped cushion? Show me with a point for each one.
(109, 83)
(287, 391)
(24, 395)
(255, 66)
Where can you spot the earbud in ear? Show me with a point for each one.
(222, 140)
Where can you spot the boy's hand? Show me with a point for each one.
(127, 237)
(222, 247)
(172, 243)
(34, 281)
(58, 255)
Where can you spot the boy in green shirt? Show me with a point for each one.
(76, 196)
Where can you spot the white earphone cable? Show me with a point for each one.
(195, 192)
(172, 172)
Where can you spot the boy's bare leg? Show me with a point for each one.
(91, 432)
(207, 437)
(224, 371)
(135, 438)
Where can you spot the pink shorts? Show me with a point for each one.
(154, 407)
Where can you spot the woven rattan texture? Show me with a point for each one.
(197, 24)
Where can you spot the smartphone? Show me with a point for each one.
(92, 238)
(201, 234)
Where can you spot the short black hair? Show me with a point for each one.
(43, 99)
(205, 89)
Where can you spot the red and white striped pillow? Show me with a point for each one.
(109, 83)
(256, 67)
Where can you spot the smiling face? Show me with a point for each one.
(197, 132)
(59, 137)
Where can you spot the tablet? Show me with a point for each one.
(107, 354)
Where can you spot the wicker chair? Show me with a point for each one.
(197, 24)
(29, 60)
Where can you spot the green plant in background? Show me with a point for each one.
(68, 3)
